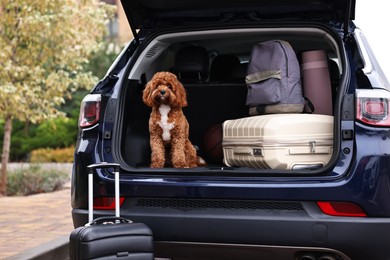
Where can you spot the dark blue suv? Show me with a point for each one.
(338, 211)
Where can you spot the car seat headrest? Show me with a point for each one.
(192, 64)
(222, 67)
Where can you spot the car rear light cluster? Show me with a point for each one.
(372, 107)
(106, 203)
(90, 110)
(341, 209)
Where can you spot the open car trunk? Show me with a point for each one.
(218, 93)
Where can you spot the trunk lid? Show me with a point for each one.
(152, 14)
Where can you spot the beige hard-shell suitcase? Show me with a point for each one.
(279, 141)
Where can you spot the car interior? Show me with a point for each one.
(215, 85)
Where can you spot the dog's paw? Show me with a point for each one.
(157, 165)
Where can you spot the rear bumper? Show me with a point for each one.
(180, 250)
(280, 232)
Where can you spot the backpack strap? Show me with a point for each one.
(263, 75)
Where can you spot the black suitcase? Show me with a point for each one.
(110, 237)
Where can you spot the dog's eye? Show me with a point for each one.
(169, 86)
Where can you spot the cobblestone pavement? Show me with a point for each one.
(30, 221)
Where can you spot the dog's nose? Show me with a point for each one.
(162, 92)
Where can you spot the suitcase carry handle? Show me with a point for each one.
(91, 168)
(109, 220)
(102, 165)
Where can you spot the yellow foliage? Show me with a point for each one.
(44, 45)
(59, 155)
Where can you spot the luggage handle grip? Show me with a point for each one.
(102, 165)
(247, 151)
(91, 168)
(109, 220)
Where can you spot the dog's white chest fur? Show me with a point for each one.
(165, 126)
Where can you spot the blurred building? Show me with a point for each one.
(118, 27)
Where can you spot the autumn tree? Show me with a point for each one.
(44, 45)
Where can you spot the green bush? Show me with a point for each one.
(54, 133)
(34, 179)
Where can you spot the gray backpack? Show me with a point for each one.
(274, 79)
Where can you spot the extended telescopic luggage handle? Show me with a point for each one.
(91, 169)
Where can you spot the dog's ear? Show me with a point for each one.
(181, 96)
(147, 94)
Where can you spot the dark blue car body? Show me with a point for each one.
(340, 211)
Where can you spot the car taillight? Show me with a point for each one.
(341, 209)
(106, 203)
(372, 107)
(90, 110)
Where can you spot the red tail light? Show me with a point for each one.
(341, 209)
(106, 203)
(373, 107)
(90, 110)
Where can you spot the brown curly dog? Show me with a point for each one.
(168, 127)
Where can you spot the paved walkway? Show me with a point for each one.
(28, 222)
